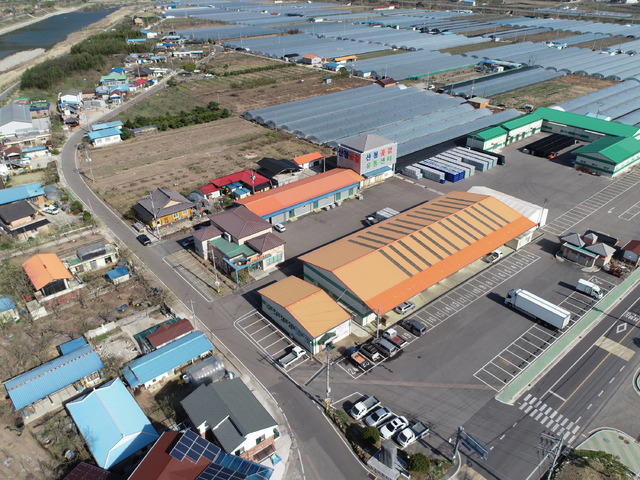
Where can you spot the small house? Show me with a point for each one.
(47, 273)
(312, 59)
(587, 250)
(479, 102)
(104, 137)
(118, 275)
(631, 252)
(334, 66)
(163, 207)
(92, 257)
(73, 97)
(309, 160)
(386, 82)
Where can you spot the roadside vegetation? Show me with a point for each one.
(593, 465)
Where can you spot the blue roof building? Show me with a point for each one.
(162, 362)
(22, 192)
(8, 310)
(112, 423)
(118, 275)
(105, 136)
(103, 126)
(72, 345)
(55, 375)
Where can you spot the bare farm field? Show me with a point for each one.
(185, 159)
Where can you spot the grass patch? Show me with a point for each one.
(379, 53)
(540, 95)
(104, 336)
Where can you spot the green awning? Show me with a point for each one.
(326, 337)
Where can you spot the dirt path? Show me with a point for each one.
(12, 76)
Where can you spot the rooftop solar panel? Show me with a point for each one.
(194, 447)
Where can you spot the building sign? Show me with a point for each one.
(369, 160)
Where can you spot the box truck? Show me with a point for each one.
(538, 308)
(589, 288)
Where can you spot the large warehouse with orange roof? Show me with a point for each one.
(299, 198)
(376, 269)
(306, 312)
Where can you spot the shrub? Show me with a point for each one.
(420, 463)
(86, 217)
(189, 67)
(76, 207)
(370, 435)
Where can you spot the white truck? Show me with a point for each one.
(391, 334)
(415, 431)
(538, 308)
(589, 288)
(364, 406)
(291, 357)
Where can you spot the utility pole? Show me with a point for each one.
(550, 444)
(328, 399)
(455, 449)
(378, 322)
(193, 315)
(155, 218)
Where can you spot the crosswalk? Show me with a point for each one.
(554, 421)
(468, 473)
(615, 348)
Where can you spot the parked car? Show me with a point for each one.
(380, 415)
(405, 307)
(143, 239)
(385, 347)
(51, 209)
(393, 426)
(415, 327)
(371, 352)
(493, 257)
(278, 227)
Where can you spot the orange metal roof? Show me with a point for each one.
(309, 157)
(311, 306)
(390, 262)
(45, 268)
(281, 198)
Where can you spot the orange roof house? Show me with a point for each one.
(382, 266)
(45, 268)
(278, 200)
(310, 159)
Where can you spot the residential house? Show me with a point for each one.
(31, 191)
(142, 72)
(238, 421)
(85, 471)
(70, 96)
(246, 181)
(586, 250)
(209, 191)
(163, 207)
(21, 220)
(238, 239)
(386, 82)
(112, 424)
(631, 252)
(186, 456)
(309, 160)
(57, 380)
(118, 275)
(14, 118)
(104, 137)
(168, 333)
(92, 256)
(47, 273)
(312, 59)
(305, 312)
(154, 367)
(8, 310)
(113, 80)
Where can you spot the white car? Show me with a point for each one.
(278, 227)
(378, 416)
(393, 426)
(51, 209)
(493, 257)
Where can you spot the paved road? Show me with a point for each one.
(565, 401)
(322, 452)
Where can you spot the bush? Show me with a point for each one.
(76, 207)
(86, 217)
(370, 435)
(189, 67)
(420, 463)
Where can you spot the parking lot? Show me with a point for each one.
(267, 337)
(193, 272)
(506, 365)
(630, 213)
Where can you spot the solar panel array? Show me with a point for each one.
(218, 472)
(194, 447)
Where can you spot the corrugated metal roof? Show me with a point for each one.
(107, 132)
(117, 273)
(112, 423)
(309, 157)
(311, 306)
(613, 148)
(46, 379)
(72, 345)
(44, 268)
(6, 304)
(166, 333)
(398, 258)
(159, 362)
(21, 192)
(281, 198)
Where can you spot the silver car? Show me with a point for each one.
(380, 415)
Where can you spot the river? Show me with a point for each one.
(48, 32)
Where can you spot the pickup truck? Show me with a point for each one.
(291, 357)
(356, 357)
(415, 431)
(364, 406)
(371, 352)
(392, 335)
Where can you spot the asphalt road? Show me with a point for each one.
(322, 452)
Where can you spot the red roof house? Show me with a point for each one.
(168, 333)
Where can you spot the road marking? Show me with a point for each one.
(528, 409)
(615, 348)
(548, 410)
(556, 395)
(612, 379)
(553, 415)
(601, 392)
(621, 368)
(590, 405)
(562, 423)
(555, 427)
(502, 437)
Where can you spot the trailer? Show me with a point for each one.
(538, 308)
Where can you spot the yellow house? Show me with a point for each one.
(163, 207)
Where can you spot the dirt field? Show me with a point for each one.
(552, 92)
(185, 159)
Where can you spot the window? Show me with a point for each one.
(239, 452)
(93, 264)
(338, 196)
(260, 439)
(292, 213)
(315, 204)
(350, 191)
(176, 215)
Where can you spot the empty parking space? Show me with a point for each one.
(479, 286)
(630, 213)
(266, 336)
(598, 200)
(194, 273)
(508, 364)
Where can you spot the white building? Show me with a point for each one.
(371, 156)
(13, 118)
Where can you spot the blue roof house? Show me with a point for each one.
(102, 126)
(30, 191)
(112, 423)
(164, 361)
(118, 275)
(100, 138)
(81, 365)
(8, 310)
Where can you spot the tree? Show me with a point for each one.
(370, 435)
(189, 67)
(76, 207)
(14, 280)
(420, 463)
(610, 463)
